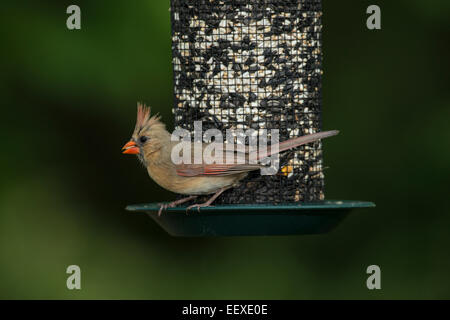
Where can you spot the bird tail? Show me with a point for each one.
(296, 142)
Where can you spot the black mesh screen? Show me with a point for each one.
(253, 64)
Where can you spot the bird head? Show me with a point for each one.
(149, 134)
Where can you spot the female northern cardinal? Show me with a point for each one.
(151, 142)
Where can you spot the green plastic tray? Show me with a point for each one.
(252, 219)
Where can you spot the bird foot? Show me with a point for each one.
(173, 204)
(198, 206)
(164, 206)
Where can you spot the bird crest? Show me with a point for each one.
(144, 120)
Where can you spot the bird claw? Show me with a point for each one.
(198, 206)
(164, 206)
(173, 204)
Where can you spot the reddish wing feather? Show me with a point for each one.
(187, 170)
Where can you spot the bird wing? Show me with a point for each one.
(238, 163)
(241, 164)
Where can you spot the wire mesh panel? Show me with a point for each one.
(253, 64)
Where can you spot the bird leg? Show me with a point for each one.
(164, 206)
(210, 200)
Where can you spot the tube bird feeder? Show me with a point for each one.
(240, 64)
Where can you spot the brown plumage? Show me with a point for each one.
(151, 142)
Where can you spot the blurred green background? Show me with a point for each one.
(68, 105)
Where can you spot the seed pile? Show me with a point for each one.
(253, 64)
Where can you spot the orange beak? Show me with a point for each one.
(130, 148)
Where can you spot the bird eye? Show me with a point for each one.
(143, 139)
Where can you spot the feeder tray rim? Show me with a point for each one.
(283, 208)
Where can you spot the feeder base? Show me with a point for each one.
(252, 219)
